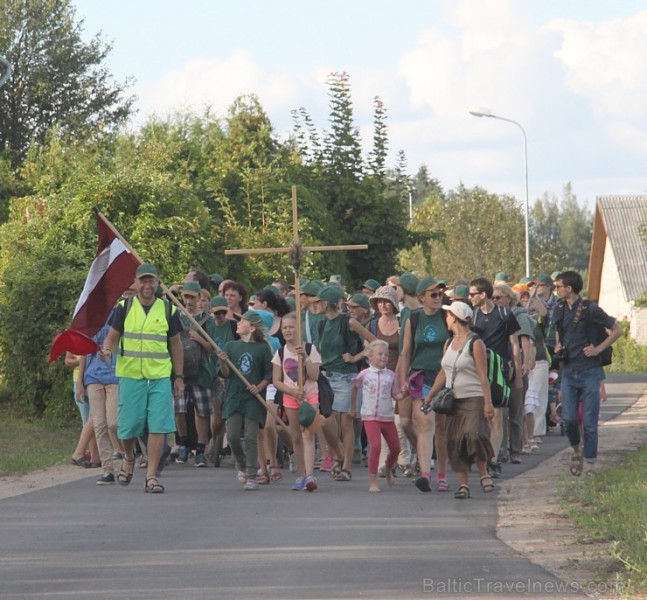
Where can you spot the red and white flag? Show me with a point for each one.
(112, 272)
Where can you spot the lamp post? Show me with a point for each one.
(484, 112)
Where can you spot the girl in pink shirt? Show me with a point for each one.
(379, 387)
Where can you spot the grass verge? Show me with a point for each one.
(29, 444)
(612, 507)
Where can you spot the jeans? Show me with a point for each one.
(582, 386)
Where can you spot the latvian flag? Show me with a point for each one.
(111, 273)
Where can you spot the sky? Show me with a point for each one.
(571, 73)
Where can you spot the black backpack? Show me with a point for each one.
(326, 395)
(597, 332)
(193, 351)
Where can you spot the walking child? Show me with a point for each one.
(380, 386)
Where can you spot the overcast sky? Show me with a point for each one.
(573, 73)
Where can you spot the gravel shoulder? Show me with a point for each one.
(532, 521)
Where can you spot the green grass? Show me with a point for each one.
(28, 444)
(612, 507)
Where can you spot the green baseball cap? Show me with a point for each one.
(146, 269)
(310, 287)
(545, 279)
(427, 283)
(330, 293)
(359, 300)
(219, 304)
(409, 282)
(371, 284)
(191, 288)
(216, 278)
(254, 317)
(502, 276)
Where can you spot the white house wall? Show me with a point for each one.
(612, 299)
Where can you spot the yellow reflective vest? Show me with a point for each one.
(144, 343)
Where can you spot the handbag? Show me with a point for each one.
(444, 402)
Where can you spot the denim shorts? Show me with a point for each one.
(342, 385)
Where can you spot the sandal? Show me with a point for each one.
(124, 476)
(336, 468)
(487, 487)
(82, 462)
(575, 467)
(343, 475)
(153, 486)
(462, 493)
(443, 486)
(275, 473)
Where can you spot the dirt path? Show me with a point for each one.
(532, 521)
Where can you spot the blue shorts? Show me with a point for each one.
(145, 402)
(342, 385)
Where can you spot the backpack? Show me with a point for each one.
(499, 388)
(192, 352)
(505, 316)
(597, 332)
(326, 395)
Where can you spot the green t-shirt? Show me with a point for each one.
(405, 313)
(313, 321)
(254, 361)
(205, 375)
(222, 335)
(331, 345)
(428, 342)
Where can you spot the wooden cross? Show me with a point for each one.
(297, 252)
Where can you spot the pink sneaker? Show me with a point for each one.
(327, 464)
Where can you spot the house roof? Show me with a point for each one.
(620, 219)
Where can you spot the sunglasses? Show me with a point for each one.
(435, 294)
(474, 294)
(496, 297)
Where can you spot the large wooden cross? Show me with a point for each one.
(297, 252)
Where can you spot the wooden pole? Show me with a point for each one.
(193, 322)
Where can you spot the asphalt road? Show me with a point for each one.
(207, 538)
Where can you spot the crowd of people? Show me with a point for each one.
(228, 371)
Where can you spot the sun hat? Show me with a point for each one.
(359, 300)
(386, 292)
(460, 310)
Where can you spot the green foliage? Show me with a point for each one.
(628, 356)
(612, 506)
(473, 233)
(560, 233)
(58, 79)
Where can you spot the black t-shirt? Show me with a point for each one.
(577, 335)
(119, 316)
(495, 329)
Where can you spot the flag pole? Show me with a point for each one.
(193, 322)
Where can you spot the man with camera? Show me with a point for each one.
(577, 321)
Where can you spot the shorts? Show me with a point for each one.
(201, 397)
(218, 394)
(290, 402)
(342, 385)
(145, 402)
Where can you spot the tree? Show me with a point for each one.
(474, 233)
(560, 233)
(58, 80)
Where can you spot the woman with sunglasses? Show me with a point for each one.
(425, 334)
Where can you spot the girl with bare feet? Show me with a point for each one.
(380, 386)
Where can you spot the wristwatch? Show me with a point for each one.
(179, 375)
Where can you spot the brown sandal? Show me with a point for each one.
(153, 486)
(125, 475)
(487, 487)
(275, 473)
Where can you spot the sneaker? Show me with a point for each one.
(143, 462)
(117, 456)
(534, 446)
(327, 464)
(538, 440)
(526, 449)
(311, 483)
(299, 485)
(163, 460)
(242, 477)
(182, 454)
(515, 459)
(432, 466)
(292, 463)
(106, 479)
(494, 470)
(423, 484)
(443, 486)
(251, 484)
(200, 460)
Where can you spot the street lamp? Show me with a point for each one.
(485, 112)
